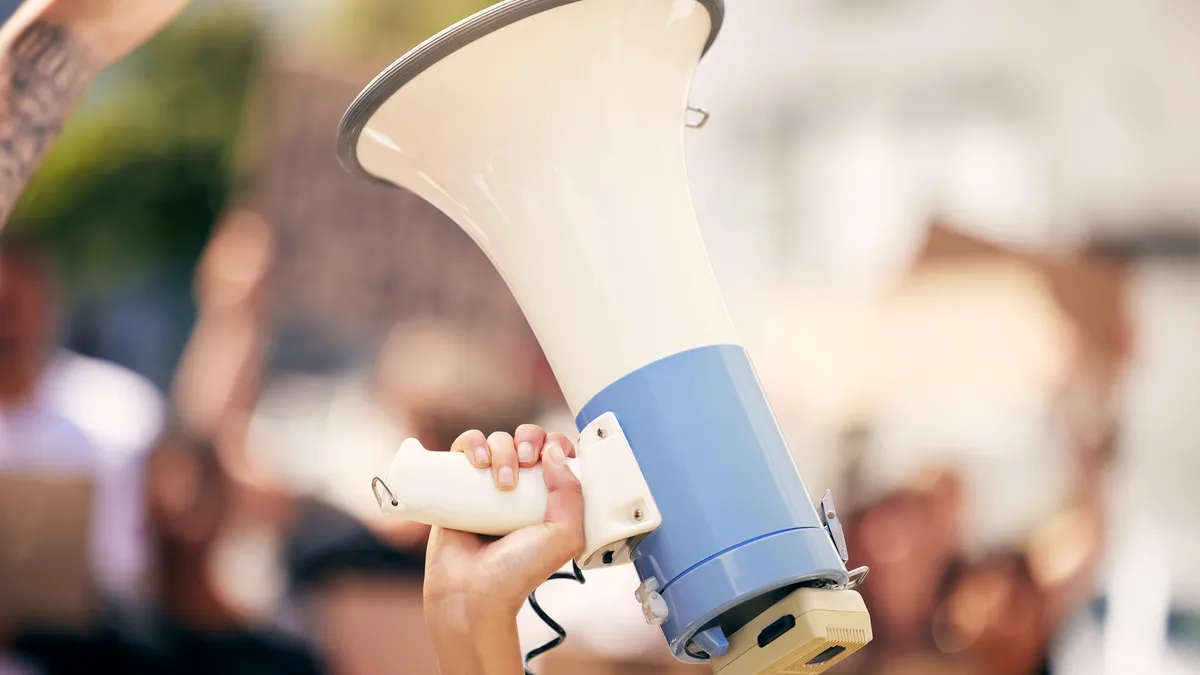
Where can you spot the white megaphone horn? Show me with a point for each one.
(552, 132)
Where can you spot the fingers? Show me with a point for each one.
(506, 454)
(529, 438)
(564, 504)
(562, 441)
(473, 444)
(504, 460)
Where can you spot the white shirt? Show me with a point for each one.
(92, 418)
(326, 437)
(36, 438)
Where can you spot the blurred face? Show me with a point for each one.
(993, 615)
(892, 539)
(908, 540)
(188, 499)
(24, 310)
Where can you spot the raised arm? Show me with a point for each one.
(50, 51)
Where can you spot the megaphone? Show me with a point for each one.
(552, 132)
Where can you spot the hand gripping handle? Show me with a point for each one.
(444, 489)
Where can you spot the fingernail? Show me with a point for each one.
(481, 456)
(555, 452)
(525, 452)
(505, 476)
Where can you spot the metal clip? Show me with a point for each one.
(857, 576)
(377, 483)
(703, 117)
(833, 525)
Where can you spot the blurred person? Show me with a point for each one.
(310, 547)
(908, 538)
(940, 602)
(64, 413)
(217, 377)
(319, 435)
(214, 386)
(356, 578)
(355, 575)
(993, 615)
(50, 51)
(315, 435)
(187, 624)
(474, 585)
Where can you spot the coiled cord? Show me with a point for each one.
(575, 574)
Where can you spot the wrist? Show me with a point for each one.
(474, 635)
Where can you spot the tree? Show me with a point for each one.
(145, 166)
(390, 24)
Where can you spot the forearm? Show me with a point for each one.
(470, 641)
(218, 375)
(45, 68)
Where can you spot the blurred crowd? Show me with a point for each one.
(216, 516)
(225, 526)
(228, 526)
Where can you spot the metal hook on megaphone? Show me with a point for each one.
(378, 483)
(703, 117)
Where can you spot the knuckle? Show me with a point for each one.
(527, 430)
(576, 539)
(566, 444)
(571, 485)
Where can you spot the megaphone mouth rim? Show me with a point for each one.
(438, 47)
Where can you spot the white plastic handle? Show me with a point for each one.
(445, 489)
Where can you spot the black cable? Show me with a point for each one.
(575, 574)
(687, 649)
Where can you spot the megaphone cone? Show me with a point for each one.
(552, 132)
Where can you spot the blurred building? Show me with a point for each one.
(355, 257)
(839, 129)
(360, 272)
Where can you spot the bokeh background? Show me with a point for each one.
(960, 239)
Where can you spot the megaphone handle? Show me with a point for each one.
(445, 489)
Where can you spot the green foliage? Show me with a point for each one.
(402, 24)
(144, 168)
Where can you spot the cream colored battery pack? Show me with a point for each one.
(809, 631)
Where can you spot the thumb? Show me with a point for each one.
(564, 503)
(521, 561)
(564, 509)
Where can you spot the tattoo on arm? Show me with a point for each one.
(43, 73)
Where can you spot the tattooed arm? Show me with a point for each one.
(50, 51)
(43, 72)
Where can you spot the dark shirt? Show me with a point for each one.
(326, 543)
(145, 642)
